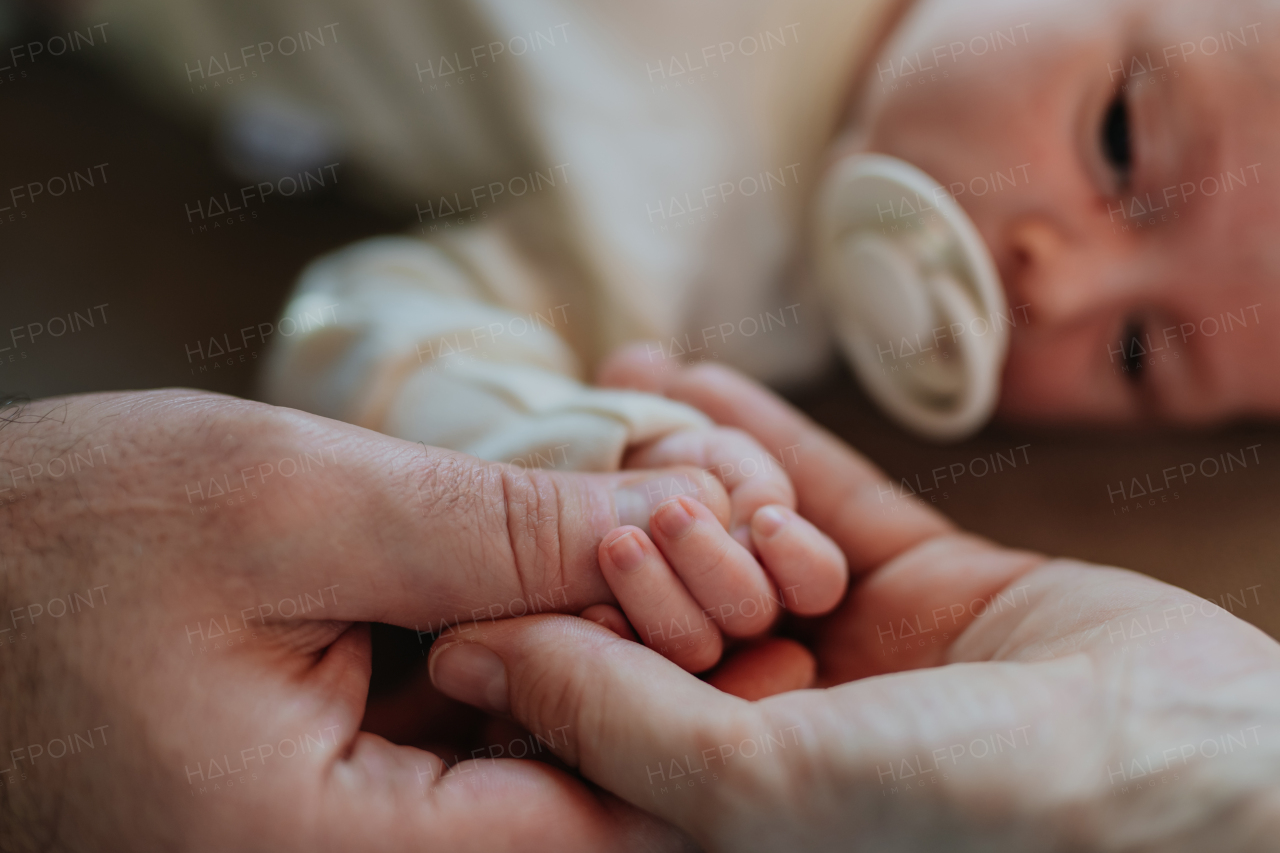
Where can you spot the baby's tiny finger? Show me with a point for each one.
(657, 604)
(611, 618)
(810, 570)
(721, 575)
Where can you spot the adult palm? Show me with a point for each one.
(978, 698)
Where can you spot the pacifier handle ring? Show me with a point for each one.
(852, 204)
(981, 392)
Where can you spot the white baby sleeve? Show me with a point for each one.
(394, 334)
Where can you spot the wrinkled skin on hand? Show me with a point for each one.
(234, 552)
(1082, 708)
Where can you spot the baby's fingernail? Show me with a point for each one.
(673, 519)
(635, 503)
(472, 674)
(768, 520)
(625, 552)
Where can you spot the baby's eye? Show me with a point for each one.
(1131, 341)
(1116, 147)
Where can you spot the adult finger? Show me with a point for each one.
(309, 779)
(751, 671)
(637, 725)
(462, 539)
(291, 516)
(625, 711)
(381, 796)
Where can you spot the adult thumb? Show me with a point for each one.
(629, 719)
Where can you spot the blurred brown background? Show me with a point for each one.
(127, 244)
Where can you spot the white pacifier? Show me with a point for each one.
(917, 302)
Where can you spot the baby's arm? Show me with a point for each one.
(457, 343)
(434, 342)
(408, 337)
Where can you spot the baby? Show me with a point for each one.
(589, 175)
(1142, 242)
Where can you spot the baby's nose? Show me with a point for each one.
(1057, 279)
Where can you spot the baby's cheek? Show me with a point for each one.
(1064, 377)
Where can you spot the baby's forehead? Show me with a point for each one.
(1189, 24)
(1229, 51)
(1198, 25)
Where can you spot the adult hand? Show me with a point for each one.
(1017, 703)
(184, 581)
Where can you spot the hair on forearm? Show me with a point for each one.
(11, 407)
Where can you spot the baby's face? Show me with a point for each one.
(1121, 158)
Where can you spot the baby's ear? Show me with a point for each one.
(639, 367)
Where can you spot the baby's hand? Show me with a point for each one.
(752, 476)
(698, 581)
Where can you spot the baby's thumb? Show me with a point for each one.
(629, 719)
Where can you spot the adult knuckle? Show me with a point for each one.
(451, 486)
(532, 503)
